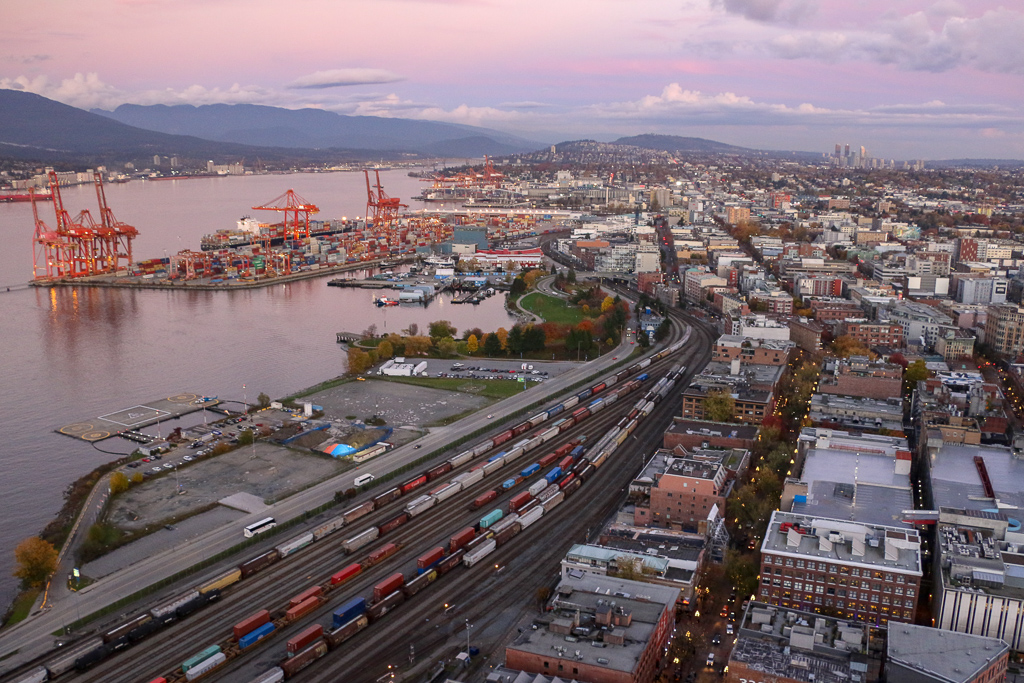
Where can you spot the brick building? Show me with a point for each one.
(918, 654)
(690, 434)
(806, 334)
(754, 351)
(1004, 329)
(873, 333)
(827, 310)
(859, 376)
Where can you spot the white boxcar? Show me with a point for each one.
(328, 527)
(206, 666)
(297, 543)
(493, 465)
(420, 505)
(358, 541)
(553, 501)
(479, 553)
(447, 492)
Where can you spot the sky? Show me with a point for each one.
(907, 79)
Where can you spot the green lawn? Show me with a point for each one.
(552, 309)
(488, 388)
(22, 606)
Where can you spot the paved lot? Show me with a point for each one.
(487, 365)
(399, 404)
(267, 471)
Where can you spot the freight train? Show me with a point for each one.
(545, 494)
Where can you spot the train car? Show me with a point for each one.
(466, 479)
(484, 499)
(530, 471)
(519, 501)
(600, 458)
(643, 364)
(313, 592)
(570, 402)
(504, 523)
(565, 481)
(580, 415)
(40, 674)
(610, 382)
(386, 497)
(490, 518)
(171, 606)
(382, 607)
(435, 472)
(565, 463)
(460, 539)
(445, 491)
(388, 586)
(533, 443)
(206, 666)
(420, 505)
(584, 395)
(328, 527)
(554, 474)
(643, 377)
(358, 511)
(302, 609)
(528, 518)
(293, 665)
(597, 388)
(349, 611)
(341, 633)
(199, 658)
(571, 486)
(585, 473)
(493, 465)
(564, 424)
(419, 583)
(484, 536)
(393, 523)
(506, 534)
(460, 459)
(450, 562)
(305, 637)
(359, 540)
(294, 544)
(485, 446)
(554, 501)
(380, 554)
(501, 438)
(127, 627)
(597, 406)
(256, 635)
(548, 459)
(139, 633)
(521, 428)
(65, 660)
(250, 623)
(508, 484)
(537, 419)
(275, 675)
(428, 559)
(514, 453)
(471, 558)
(555, 410)
(413, 484)
(346, 573)
(537, 487)
(549, 435)
(610, 399)
(577, 452)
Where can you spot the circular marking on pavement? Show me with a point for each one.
(183, 398)
(77, 429)
(95, 436)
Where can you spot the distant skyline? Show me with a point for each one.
(904, 78)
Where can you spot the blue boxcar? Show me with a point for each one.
(553, 474)
(577, 452)
(643, 377)
(495, 457)
(584, 395)
(595, 402)
(531, 470)
(555, 411)
(508, 483)
(349, 611)
(252, 637)
(491, 518)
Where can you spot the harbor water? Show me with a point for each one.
(75, 353)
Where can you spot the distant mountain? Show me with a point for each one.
(675, 143)
(253, 124)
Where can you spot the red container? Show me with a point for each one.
(519, 501)
(413, 483)
(427, 559)
(566, 481)
(300, 641)
(565, 463)
(251, 624)
(302, 609)
(460, 539)
(394, 523)
(382, 553)
(346, 573)
(485, 499)
(388, 586)
(548, 459)
(565, 449)
(313, 592)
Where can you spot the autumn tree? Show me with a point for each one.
(915, 372)
(36, 560)
(472, 344)
(446, 347)
(358, 361)
(719, 406)
(845, 346)
(397, 344)
(385, 350)
(606, 304)
(503, 338)
(417, 345)
(118, 483)
(442, 328)
(263, 400)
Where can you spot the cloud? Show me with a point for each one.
(525, 105)
(27, 59)
(344, 77)
(788, 11)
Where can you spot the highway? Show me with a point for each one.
(481, 593)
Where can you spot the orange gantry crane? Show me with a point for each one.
(296, 213)
(381, 210)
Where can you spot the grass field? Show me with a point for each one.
(551, 309)
(488, 388)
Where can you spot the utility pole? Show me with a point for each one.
(468, 626)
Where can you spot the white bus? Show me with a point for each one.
(260, 526)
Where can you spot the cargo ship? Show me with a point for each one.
(249, 231)
(24, 197)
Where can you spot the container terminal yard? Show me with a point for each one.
(388, 564)
(81, 250)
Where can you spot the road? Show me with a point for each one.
(486, 596)
(32, 637)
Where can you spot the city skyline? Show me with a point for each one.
(907, 80)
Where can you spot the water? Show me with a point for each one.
(75, 353)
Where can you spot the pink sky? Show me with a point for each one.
(906, 78)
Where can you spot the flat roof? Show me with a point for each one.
(841, 466)
(946, 655)
(861, 502)
(607, 555)
(955, 481)
(713, 429)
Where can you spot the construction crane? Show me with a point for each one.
(381, 210)
(296, 213)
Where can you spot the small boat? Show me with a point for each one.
(384, 301)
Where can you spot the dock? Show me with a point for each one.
(137, 417)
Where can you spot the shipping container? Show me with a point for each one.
(386, 497)
(206, 667)
(345, 631)
(393, 523)
(382, 607)
(538, 486)
(420, 505)
(328, 527)
(471, 558)
(531, 470)
(346, 573)
(491, 517)
(313, 592)
(565, 463)
(256, 635)
(295, 544)
(519, 501)
(349, 611)
(528, 518)
(388, 586)
(484, 499)
(548, 459)
(429, 559)
(450, 562)
(302, 609)
(294, 665)
(358, 511)
(200, 657)
(413, 483)
(381, 554)
(460, 539)
(305, 637)
(552, 475)
(275, 675)
(435, 472)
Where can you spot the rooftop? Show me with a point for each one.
(946, 655)
(713, 429)
(956, 481)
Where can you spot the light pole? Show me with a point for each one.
(468, 626)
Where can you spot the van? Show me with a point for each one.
(711, 659)
(362, 479)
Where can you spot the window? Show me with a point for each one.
(799, 564)
(910, 592)
(899, 578)
(789, 561)
(819, 589)
(798, 586)
(855, 572)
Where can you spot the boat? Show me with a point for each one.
(439, 262)
(384, 301)
(24, 197)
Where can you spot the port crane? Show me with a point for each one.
(381, 210)
(296, 213)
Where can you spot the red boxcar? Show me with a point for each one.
(302, 609)
(296, 643)
(427, 559)
(346, 573)
(294, 665)
(580, 414)
(597, 388)
(394, 523)
(460, 539)
(413, 483)
(519, 501)
(450, 562)
(382, 553)
(566, 481)
(388, 586)
(250, 624)
(548, 459)
(520, 428)
(566, 463)
(502, 438)
(386, 497)
(565, 449)
(436, 472)
(313, 592)
(484, 499)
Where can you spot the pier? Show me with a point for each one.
(137, 417)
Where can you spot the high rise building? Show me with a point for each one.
(1004, 329)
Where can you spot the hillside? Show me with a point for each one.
(675, 143)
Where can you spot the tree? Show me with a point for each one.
(137, 478)
(397, 344)
(263, 400)
(472, 344)
(492, 345)
(118, 483)
(518, 287)
(554, 271)
(607, 304)
(246, 437)
(845, 346)
(441, 328)
(515, 339)
(358, 361)
(530, 278)
(915, 372)
(385, 350)
(631, 568)
(446, 347)
(719, 406)
(370, 331)
(572, 276)
(412, 331)
(36, 560)
(663, 330)
(643, 340)
(503, 338)
(534, 338)
(417, 346)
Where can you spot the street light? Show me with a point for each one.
(468, 626)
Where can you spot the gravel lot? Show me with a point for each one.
(399, 404)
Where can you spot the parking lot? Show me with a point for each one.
(490, 369)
